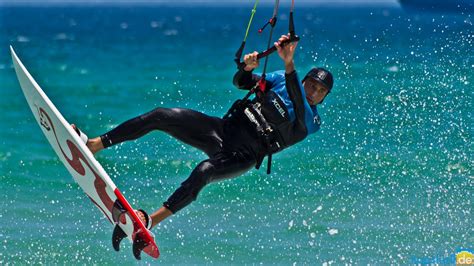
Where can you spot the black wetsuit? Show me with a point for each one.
(233, 145)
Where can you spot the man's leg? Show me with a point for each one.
(222, 166)
(194, 128)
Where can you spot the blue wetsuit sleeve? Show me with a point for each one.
(245, 80)
(297, 97)
(275, 77)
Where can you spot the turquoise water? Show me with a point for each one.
(389, 177)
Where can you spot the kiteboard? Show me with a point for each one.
(84, 168)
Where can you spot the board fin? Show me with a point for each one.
(138, 245)
(117, 237)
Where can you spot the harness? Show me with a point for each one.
(265, 132)
(253, 110)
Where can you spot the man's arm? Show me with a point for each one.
(244, 79)
(289, 67)
(295, 92)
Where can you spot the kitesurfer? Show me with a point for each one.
(281, 115)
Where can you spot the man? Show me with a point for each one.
(284, 114)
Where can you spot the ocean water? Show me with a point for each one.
(388, 178)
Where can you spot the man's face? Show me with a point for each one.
(315, 91)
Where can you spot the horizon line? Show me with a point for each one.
(393, 3)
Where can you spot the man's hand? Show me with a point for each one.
(251, 61)
(287, 52)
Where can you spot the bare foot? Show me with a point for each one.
(160, 215)
(94, 144)
(142, 217)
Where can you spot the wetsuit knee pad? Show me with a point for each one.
(161, 118)
(152, 115)
(182, 197)
(189, 189)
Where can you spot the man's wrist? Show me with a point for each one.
(289, 67)
(248, 69)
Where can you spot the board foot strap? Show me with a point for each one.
(118, 235)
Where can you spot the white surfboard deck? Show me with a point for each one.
(79, 160)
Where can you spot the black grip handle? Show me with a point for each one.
(272, 49)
